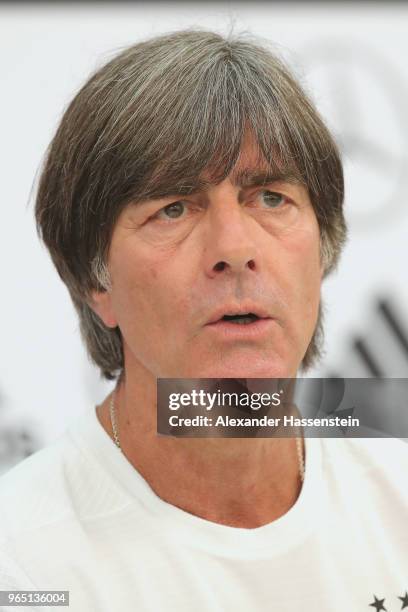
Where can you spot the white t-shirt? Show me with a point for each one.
(77, 516)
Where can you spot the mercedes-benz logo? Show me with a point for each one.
(363, 98)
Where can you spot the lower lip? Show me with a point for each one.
(256, 330)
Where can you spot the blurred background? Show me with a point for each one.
(350, 57)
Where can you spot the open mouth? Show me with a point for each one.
(241, 319)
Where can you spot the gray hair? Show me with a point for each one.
(148, 124)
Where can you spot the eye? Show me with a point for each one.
(273, 199)
(171, 211)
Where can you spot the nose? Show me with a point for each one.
(230, 241)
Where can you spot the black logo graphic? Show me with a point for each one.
(391, 331)
(404, 600)
(378, 604)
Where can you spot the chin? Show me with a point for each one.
(231, 369)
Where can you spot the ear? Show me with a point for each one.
(101, 304)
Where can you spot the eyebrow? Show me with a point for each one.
(243, 178)
(248, 177)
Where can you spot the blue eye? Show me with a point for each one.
(273, 198)
(172, 211)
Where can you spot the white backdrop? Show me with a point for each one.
(352, 58)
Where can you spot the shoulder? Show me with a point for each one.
(366, 454)
(59, 484)
(36, 490)
(377, 467)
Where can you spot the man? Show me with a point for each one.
(191, 180)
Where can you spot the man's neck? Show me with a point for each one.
(240, 482)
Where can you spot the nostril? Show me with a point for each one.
(222, 264)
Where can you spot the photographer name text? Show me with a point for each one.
(286, 421)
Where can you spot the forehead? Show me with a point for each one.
(252, 169)
(247, 168)
(250, 154)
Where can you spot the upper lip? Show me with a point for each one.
(235, 309)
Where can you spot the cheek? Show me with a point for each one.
(134, 282)
(147, 291)
(152, 273)
(304, 279)
(310, 285)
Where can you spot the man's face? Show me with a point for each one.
(179, 263)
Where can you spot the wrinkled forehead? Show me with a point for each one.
(248, 167)
(252, 167)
